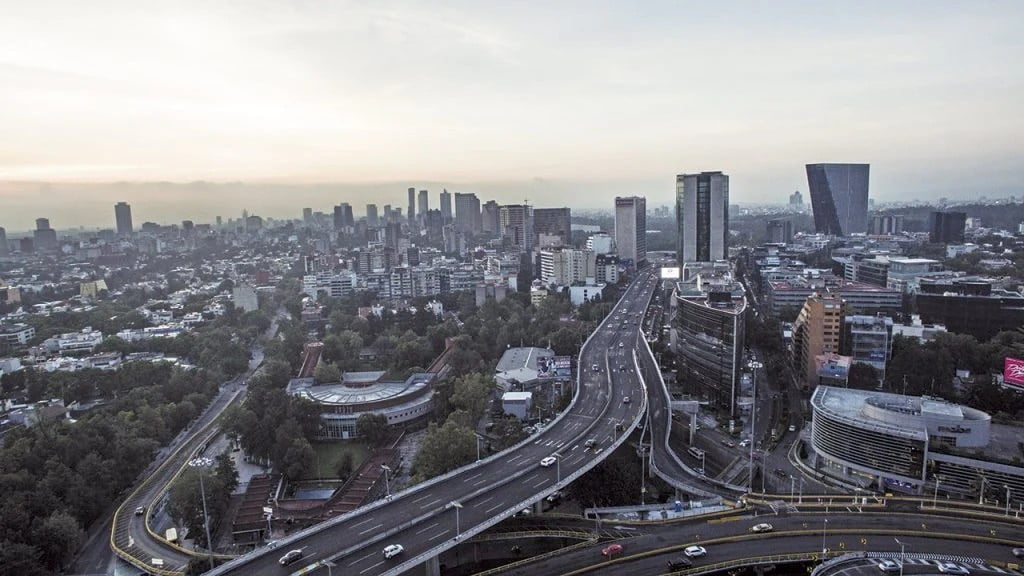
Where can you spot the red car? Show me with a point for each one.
(611, 550)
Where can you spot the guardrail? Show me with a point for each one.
(369, 508)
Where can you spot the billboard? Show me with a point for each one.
(1013, 372)
(557, 367)
(670, 273)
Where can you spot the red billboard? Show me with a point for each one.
(1013, 372)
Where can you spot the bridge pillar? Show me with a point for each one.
(432, 567)
(538, 507)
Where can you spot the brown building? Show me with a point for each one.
(816, 331)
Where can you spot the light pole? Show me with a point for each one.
(935, 497)
(456, 505)
(1007, 486)
(903, 549)
(202, 464)
(477, 447)
(329, 565)
(981, 493)
(792, 486)
(800, 499)
(702, 471)
(753, 422)
(824, 532)
(387, 479)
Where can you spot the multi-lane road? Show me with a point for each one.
(427, 519)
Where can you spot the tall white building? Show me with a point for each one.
(702, 216)
(631, 229)
(600, 243)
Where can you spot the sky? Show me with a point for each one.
(191, 109)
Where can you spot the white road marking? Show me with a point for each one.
(484, 501)
(479, 482)
(421, 498)
(431, 503)
(514, 458)
(365, 521)
(473, 476)
(493, 508)
(372, 528)
(438, 535)
(427, 528)
(371, 567)
(363, 558)
(541, 483)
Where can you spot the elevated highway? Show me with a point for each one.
(608, 404)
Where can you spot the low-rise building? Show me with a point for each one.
(517, 404)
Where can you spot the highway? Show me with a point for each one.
(424, 520)
(729, 537)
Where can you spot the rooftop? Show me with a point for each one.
(342, 394)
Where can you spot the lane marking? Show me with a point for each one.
(438, 535)
(431, 503)
(372, 528)
(371, 567)
(427, 528)
(493, 508)
(364, 521)
(535, 474)
(484, 501)
(421, 498)
(473, 476)
(479, 482)
(541, 483)
(514, 458)
(361, 559)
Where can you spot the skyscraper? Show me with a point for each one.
(424, 205)
(839, 197)
(307, 216)
(702, 216)
(631, 229)
(467, 213)
(446, 207)
(796, 201)
(123, 217)
(44, 237)
(816, 331)
(4, 249)
(947, 227)
(516, 222)
(411, 213)
(554, 221)
(371, 215)
(491, 218)
(780, 231)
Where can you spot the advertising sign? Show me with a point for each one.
(668, 273)
(559, 367)
(1013, 372)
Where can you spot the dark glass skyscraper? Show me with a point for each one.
(947, 227)
(839, 197)
(123, 217)
(702, 216)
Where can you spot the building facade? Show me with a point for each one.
(839, 197)
(868, 340)
(553, 221)
(123, 218)
(631, 229)
(467, 213)
(516, 224)
(947, 227)
(816, 332)
(702, 216)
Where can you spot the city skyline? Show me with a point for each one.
(351, 99)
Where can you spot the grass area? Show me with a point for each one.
(330, 454)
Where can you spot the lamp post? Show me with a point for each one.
(387, 479)
(800, 498)
(1007, 486)
(477, 447)
(202, 464)
(753, 422)
(329, 565)
(456, 505)
(981, 493)
(903, 549)
(792, 486)
(935, 497)
(824, 532)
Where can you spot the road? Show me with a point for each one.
(423, 518)
(729, 538)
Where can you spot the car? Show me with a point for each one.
(554, 496)
(953, 568)
(1018, 552)
(523, 512)
(625, 400)
(745, 442)
(392, 550)
(728, 443)
(590, 443)
(694, 551)
(273, 544)
(619, 426)
(763, 527)
(679, 563)
(620, 344)
(546, 462)
(291, 557)
(889, 566)
(140, 510)
(595, 368)
(611, 549)
(792, 427)
(781, 473)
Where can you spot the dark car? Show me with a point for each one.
(679, 563)
(781, 473)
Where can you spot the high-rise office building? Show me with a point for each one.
(947, 227)
(516, 221)
(446, 207)
(44, 237)
(4, 249)
(796, 201)
(839, 197)
(702, 216)
(424, 205)
(553, 221)
(388, 217)
(817, 331)
(886, 224)
(631, 229)
(307, 216)
(123, 217)
(780, 231)
(411, 213)
(491, 218)
(343, 217)
(467, 213)
(371, 215)
(42, 223)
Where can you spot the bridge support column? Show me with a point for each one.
(538, 507)
(432, 567)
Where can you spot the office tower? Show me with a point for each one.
(219, 221)
(868, 340)
(780, 231)
(424, 205)
(886, 224)
(123, 217)
(44, 237)
(371, 215)
(446, 207)
(631, 229)
(4, 249)
(467, 213)
(491, 218)
(839, 197)
(343, 217)
(554, 221)
(516, 224)
(796, 201)
(411, 213)
(387, 215)
(947, 227)
(338, 219)
(816, 332)
(307, 216)
(702, 217)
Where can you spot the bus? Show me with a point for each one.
(696, 452)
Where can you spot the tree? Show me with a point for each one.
(863, 377)
(297, 459)
(472, 393)
(59, 536)
(326, 373)
(373, 428)
(444, 448)
(345, 466)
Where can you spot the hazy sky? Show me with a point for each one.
(560, 102)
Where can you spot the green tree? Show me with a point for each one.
(444, 448)
(326, 373)
(472, 393)
(863, 376)
(59, 536)
(372, 428)
(298, 459)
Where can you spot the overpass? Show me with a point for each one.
(608, 404)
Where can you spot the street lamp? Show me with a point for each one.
(903, 549)
(329, 565)
(753, 421)
(935, 497)
(387, 479)
(202, 464)
(456, 505)
(1007, 486)
(792, 486)
(478, 447)
(981, 493)
(824, 532)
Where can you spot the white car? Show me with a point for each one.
(763, 527)
(392, 550)
(889, 566)
(550, 460)
(953, 568)
(695, 551)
